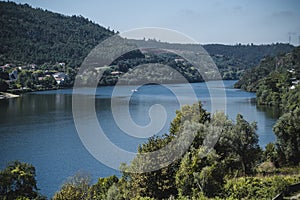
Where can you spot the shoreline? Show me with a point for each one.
(6, 95)
(18, 92)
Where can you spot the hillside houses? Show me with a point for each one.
(294, 80)
(32, 77)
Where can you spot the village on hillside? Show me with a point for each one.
(18, 79)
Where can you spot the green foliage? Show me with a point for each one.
(200, 173)
(271, 88)
(105, 188)
(291, 99)
(251, 79)
(203, 168)
(113, 193)
(77, 187)
(231, 60)
(276, 82)
(34, 80)
(266, 167)
(287, 130)
(17, 181)
(246, 144)
(257, 188)
(39, 36)
(269, 153)
(161, 183)
(245, 56)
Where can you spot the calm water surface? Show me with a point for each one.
(38, 128)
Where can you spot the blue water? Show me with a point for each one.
(38, 128)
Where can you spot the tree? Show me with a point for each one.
(200, 172)
(113, 193)
(101, 188)
(204, 166)
(25, 78)
(17, 180)
(161, 183)
(287, 130)
(77, 187)
(291, 99)
(245, 143)
(269, 153)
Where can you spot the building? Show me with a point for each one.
(60, 77)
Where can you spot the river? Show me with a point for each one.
(38, 128)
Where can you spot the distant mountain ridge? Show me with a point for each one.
(231, 60)
(250, 53)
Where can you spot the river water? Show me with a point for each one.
(38, 128)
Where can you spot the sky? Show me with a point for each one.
(206, 21)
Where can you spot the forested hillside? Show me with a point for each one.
(39, 36)
(250, 55)
(277, 83)
(273, 71)
(231, 60)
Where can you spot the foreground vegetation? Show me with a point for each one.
(235, 168)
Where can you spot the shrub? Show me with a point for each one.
(257, 188)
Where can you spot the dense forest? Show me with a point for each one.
(275, 80)
(39, 36)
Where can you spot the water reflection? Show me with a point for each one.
(270, 111)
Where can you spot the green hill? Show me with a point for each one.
(249, 55)
(39, 36)
(281, 63)
(36, 36)
(275, 80)
(231, 60)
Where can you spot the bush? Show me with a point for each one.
(257, 188)
(266, 168)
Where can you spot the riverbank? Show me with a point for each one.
(6, 95)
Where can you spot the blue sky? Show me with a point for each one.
(209, 21)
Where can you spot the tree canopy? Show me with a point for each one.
(17, 180)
